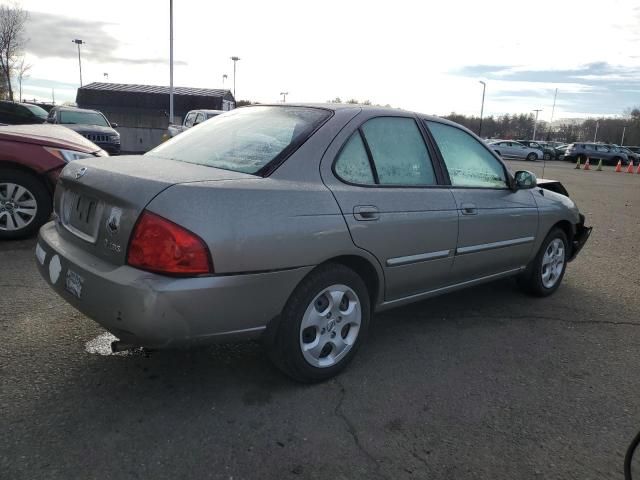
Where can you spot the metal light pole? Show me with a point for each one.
(224, 77)
(170, 61)
(106, 76)
(535, 125)
(284, 96)
(484, 88)
(79, 42)
(235, 60)
(553, 109)
(595, 135)
(624, 129)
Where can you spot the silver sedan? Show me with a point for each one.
(513, 149)
(295, 224)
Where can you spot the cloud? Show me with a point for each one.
(595, 72)
(50, 36)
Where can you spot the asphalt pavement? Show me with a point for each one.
(485, 383)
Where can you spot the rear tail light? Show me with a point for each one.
(159, 245)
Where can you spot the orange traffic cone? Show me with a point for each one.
(619, 166)
(586, 165)
(630, 167)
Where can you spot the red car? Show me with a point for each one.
(31, 158)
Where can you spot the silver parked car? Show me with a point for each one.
(513, 149)
(295, 224)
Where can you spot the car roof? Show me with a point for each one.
(76, 109)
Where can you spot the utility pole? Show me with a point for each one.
(624, 129)
(484, 88)
(595, 135)
(79, 42)
(553, 109)
(284, 96)
(170, 61)
(224, 77)
(235, 60)
(535, 125)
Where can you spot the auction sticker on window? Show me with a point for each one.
(73, 283)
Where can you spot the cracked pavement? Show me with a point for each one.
(485, 383)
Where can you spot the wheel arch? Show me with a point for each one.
(367, 271)
(42, 178)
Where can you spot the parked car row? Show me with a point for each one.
(91, 124)
(609, 154)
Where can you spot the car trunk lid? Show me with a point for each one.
(98, 202)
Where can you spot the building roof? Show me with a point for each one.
(155, 89)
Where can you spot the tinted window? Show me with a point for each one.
(469, 163)
(353, 163)
(399, 153)
(36, 110)
(81, 118)
(245, 139)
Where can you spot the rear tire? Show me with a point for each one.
(532, 157)
(322, 325)
(546, 271)
(25, 204)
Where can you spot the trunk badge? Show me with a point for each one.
(113, 223)
(80, 173)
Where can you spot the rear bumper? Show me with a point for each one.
(142, 308)
(580, 238)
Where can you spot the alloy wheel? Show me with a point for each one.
(18, 207)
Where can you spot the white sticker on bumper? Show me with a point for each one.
(54, 269)
(41, 255)
(73, 283)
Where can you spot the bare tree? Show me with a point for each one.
(22, 72)
(12, 23)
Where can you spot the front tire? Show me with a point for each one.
(322, 325)
(532, 157)
(545, 273)
(25, 204)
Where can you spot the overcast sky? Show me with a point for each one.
(410, 54)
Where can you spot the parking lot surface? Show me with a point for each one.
(485, 383)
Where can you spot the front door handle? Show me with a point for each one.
(366, 212)
(469, 209)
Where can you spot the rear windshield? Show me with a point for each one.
(82, 118)
(244, 140)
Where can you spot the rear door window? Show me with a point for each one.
(399, 154)
(468, 161)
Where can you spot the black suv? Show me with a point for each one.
(91, 124)
(15, 113)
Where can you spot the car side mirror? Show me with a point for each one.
(525, 179)
(114, 125)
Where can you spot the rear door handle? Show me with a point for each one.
(469, 209)
(366, 212)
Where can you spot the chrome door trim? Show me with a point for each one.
(490, 246)
(438, 291)
(421, 257)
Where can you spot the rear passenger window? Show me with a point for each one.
(353, 164)
(399, 153)
(468, 162)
